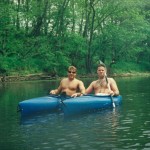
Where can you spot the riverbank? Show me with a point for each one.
(131, 74)
(28, 77)
(42, 76)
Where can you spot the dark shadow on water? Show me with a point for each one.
(53, 117)
(39, 118)
(101, 112)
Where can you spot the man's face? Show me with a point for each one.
(101, 71)
(71, 74)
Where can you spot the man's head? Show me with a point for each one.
(72, 72)
(72, 69)
(101, 70)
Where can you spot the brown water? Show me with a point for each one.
(127, 127)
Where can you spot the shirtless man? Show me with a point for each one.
(70, 85)
(101, 86)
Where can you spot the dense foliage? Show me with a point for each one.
(49, 35)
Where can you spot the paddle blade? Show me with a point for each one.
(113, 105)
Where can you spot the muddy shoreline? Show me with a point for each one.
(41, 76)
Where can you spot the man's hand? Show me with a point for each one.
(52, 92)
(76, 94)
(111, 93)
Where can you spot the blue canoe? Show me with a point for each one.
(69, 106)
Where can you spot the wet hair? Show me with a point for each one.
(72, 68)
(102, 65)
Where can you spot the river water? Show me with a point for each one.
(126, 127)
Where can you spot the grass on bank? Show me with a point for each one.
(130, 67)
(119, 68)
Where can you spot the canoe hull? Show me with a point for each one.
(69, 106)
(87, 104)
(39, 105)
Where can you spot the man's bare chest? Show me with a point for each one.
(70, 85)
(100, 84)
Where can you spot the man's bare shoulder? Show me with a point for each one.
(111, 80)
(94, 82)
(78, 80)
(64, 79)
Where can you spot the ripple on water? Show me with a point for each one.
(64, 143)
(146, 133)
(147, 144)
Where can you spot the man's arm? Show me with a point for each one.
(58, 90)
(81, 87)
(90, 88)
(114, 87)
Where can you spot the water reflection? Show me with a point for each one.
(69, 133)
(128, 127)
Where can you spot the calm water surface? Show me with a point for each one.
(126, 127)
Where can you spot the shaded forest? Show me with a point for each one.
(49, 35)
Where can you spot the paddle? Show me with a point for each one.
(113, 103)
(62, 97)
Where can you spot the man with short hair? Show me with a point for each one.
(70, 85)
(103, 85)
